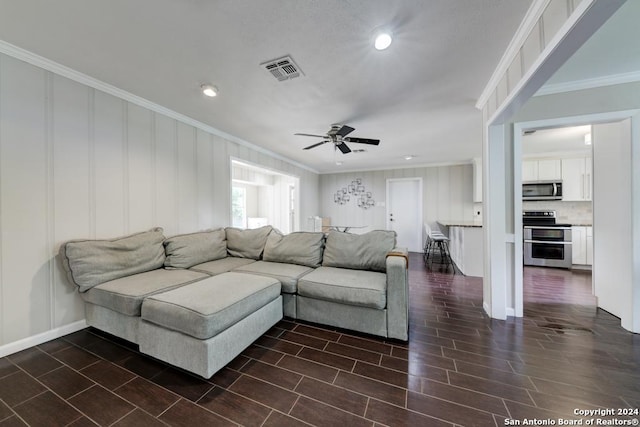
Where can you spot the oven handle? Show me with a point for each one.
(546, 227)
(547, 242)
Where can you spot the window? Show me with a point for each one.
(263, 196)
(239, 207)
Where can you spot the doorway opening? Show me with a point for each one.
(584, 151)
(261, 196)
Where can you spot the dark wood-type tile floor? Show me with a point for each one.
(459, 368)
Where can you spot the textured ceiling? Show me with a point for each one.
(418, 96)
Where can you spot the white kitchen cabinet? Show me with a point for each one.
(582, 245)
(549, 169)
(576, 179)
(589, 245)
(529, 170)
(477, 180)
(541, 170)
(578, 245)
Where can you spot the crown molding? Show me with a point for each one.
(390, 168)
(592, 83)
(64, 71)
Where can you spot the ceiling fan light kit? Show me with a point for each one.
(338, 136)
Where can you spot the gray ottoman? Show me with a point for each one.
(202, 326)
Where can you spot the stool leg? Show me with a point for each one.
(448, 255)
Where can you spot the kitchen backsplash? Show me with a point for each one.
(578, 213)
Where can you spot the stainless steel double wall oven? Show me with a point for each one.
(546, 243)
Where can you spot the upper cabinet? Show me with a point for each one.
(541, 170)
(577, 179)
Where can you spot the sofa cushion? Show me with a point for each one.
(301, 248)
(206, 308)
(359, 251)
(247, 243)
(223, 265)
(125, 294)
(287, 274)
(353, 287)
(187, 250)
(91, 262)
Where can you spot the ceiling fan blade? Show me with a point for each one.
(345, 130)
(363, 140)
(343, 147)
(315, 145)
(310, 134)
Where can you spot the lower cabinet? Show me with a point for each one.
(582, 245)
(466, 249)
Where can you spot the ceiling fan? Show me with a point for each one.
(338, 135)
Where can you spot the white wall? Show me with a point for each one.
(612, 276)
(79, 163)
(447, 195)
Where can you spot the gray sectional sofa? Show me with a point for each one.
(198, 300)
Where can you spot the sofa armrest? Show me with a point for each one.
(398, 294)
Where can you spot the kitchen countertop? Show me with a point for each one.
(476, 223)
(460, 223)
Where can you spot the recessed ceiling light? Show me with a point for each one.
(409, 157)
(338, 163)
(382, 40)
(209, 90)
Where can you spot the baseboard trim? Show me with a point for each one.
(511, 312)
(486, 308)
(43, 337)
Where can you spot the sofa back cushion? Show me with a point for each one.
(187, 250)
(300, 248)
(91, 262)
(247, 243)
(359, 251)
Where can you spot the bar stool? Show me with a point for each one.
(436, 246)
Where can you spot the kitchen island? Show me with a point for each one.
(465, 245)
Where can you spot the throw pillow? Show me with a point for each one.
(91, 262)
(359, 251)
(187, 250)
(247, 243)
(300, 248)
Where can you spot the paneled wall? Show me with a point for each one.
(447, 195)
(76, 162)
(540, 26)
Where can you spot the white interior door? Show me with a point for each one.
(404, 211)
(613, 263)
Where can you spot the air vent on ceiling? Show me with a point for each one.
(529, 132)
(283, 68)
(359, 150)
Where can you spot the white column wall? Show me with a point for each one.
(76, 162)
(613, 245)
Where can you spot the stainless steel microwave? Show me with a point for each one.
(542, 190)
